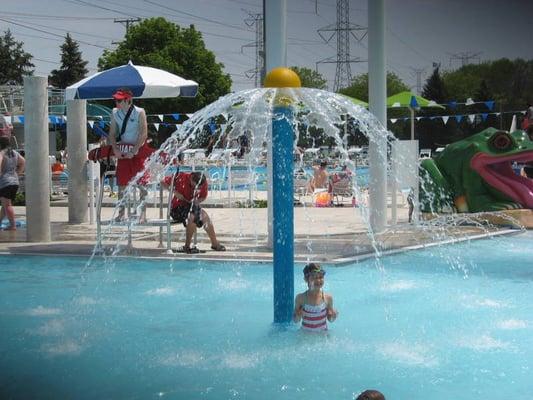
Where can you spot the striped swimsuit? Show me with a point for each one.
(314, 317)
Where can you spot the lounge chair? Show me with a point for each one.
(342, 188)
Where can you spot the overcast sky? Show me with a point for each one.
(419, 32)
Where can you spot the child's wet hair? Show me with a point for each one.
(371, 395)
(313, 268)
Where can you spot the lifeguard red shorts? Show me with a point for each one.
(127, 168)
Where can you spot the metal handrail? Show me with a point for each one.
(161, 223)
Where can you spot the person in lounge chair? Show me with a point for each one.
(320, 179)
(190, 189)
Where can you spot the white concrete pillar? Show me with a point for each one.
(377, 95)
(77, 161)
(275, 14)
(52, 142)
(37, 173)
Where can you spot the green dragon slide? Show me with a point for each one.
(476, 174)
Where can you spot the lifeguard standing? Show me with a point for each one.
(127, 135)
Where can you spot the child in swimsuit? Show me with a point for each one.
(314, 307)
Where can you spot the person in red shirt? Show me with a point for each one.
(190, 189)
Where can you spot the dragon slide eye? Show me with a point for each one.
(501, 141)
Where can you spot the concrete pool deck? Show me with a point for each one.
(332, 235)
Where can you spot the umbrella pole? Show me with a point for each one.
(412, 123)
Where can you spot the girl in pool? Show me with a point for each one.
(313, 307)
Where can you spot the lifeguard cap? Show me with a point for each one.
(123, 94)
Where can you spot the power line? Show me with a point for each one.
(65, 30)
(87, 4)
(56, 17)
(50, 33)
(197, 16)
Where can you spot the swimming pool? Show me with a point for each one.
(449, 323)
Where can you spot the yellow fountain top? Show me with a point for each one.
(282, 77)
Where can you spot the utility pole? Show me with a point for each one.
(418, 73)
(342, 29)
(465, 57)
(259, 71)
(126, 22)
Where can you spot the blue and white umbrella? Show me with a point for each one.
(144, 82)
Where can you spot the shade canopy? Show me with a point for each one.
(357, 101)
(144, 82)
(411, 100)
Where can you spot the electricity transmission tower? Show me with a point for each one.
(465, 57)
(418, 73)
(342, 29)
(259, 71)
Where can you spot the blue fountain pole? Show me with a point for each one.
(283, 192)
(283, 215)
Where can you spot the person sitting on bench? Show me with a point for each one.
(190, 189)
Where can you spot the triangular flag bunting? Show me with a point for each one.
(458, 118)
(175, 116)
(91, 123)
(484, 116)
(452, 104)
(160, 116)
(472, 118)
(156, 127)
(418, 118)
(445, 119)
(393, 120)
(469, 101)
(490, 104)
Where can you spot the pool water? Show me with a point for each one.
(449, 323)
(219, 177)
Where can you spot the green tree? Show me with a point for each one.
(510, 82)
(310, 78)
(434, 88)
(483, 92)
(359, 86)
(73, 67)
(158, 43)
(15, 63)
